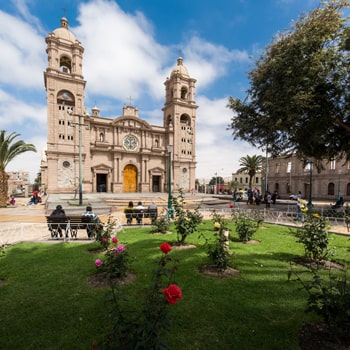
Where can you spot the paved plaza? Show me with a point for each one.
(27, 223)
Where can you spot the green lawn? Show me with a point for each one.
(46, 302)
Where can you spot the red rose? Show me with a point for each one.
(172, 293)
(165, 248)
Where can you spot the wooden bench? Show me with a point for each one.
(71, 224)
(140, 214)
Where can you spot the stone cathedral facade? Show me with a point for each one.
(124, 154)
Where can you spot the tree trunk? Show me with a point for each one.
(3, 188)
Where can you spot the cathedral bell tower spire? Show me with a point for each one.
(65, 86)
(179, 119)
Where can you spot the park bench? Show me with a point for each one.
(140, 214)
(71, 224)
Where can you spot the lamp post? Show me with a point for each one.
(309, 204)
(70, 112)
(170, 201)
(266, 171)
(339, 173)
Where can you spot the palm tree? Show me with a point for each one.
(8, 151)
(250, 165)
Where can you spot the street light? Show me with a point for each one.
(339, 173)
(70, 112)
(266, 171)
(309, 204)
(170, 201)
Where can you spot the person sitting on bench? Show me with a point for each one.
(139, 216)
(58, 212)
(338, 204)
(90, 229)
(128, 212)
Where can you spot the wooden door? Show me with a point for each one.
(130, 178)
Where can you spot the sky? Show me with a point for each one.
(131, 46)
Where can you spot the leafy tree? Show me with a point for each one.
(250, 165)
(9, 149)
(216, 180)
(299, 98)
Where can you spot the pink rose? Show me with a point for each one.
(120, 248)
(98, 262)
(114, 240)
(104, 239)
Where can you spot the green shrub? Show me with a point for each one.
(330, 299)
(314, 236)
(246, 225)
(218, 251)
(186, 221)
(161, 224)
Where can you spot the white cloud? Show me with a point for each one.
(15, 112)
(122, 59)
(216, 150)
(22, 58)
(120, 53)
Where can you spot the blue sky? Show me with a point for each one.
(131, 47)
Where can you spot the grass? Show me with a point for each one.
(46, 302)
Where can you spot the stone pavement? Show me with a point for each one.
(23, 222)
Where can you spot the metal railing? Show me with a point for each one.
(12, 233)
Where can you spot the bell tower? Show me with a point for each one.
(179, 119)
(65, 86)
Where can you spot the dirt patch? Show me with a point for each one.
(2, 283)
(177, 246)
(96, 250)
(325, 264)
(318, 337)
(161, 233)
(251, 241)
(213, 271)
(99, 280)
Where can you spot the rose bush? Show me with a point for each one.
(144, 327)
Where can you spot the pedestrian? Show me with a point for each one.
(268, 199)
(274, 197)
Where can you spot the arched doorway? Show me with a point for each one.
(130, 178)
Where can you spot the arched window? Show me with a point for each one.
(288, 188)
(331, 189)
(184, 119)
(348, 189)
(66, 98)
(184, 93)
(65, 64)
(102, 137)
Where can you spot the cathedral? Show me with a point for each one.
(124, 154)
